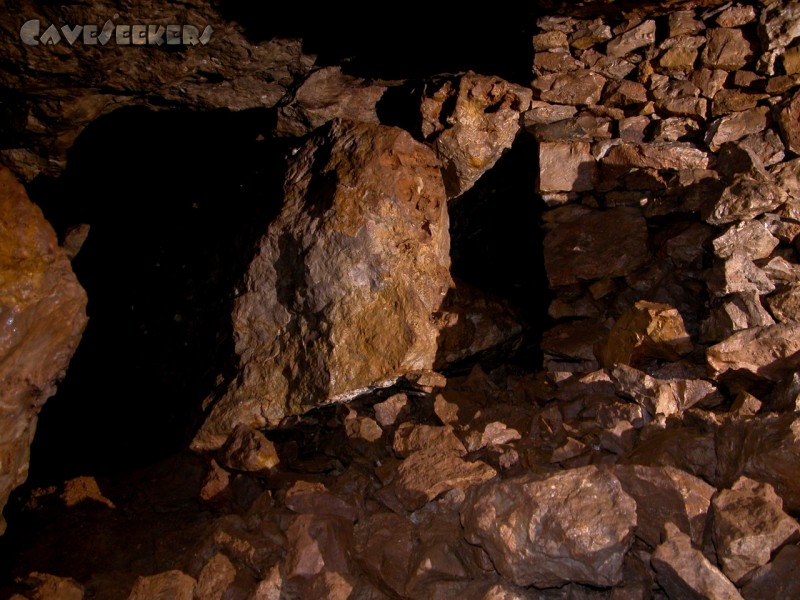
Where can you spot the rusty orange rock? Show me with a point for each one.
(42, 317)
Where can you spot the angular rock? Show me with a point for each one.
(686, 448)
(767, 145)
(384, 545)
(767, 352)
(248, 450)
(736, 16)
(550, 40)
(484, 121)
(791, 61)
(314, 498)
(411, 437)
(317, 544)
(574, 526)
(648, 330)
(428, 473)
(769, 454)
(589, 33)
(390, 410)
(585, 127)
(674, 129)
(782, 83)
(44, 586)
(360, 427)
(42, 317)
(686, 107)
(640, 36)
(544, 112)
(738, 274)
(781, 271)
(663, 396)
(684, 572)
(739, 311)
(611, 68)
(686, 248)
(594, 244)
(674, 156)
(726, 49)
(787, 176)
(170, 584)
(324, 95)
(557, 61)
(736, 125)
(709, 81)
(778, 579)
(789, 123)
(666, 495)
(779, 24)
(678, 58)
(683, 22)
(632, 129)
(215, 578)
(578, 88)
(625, 93)
(358, 258)
(472, 322)
(572, 345)
(751, 237)
(566, 167)
(746, 198)
(785, 304)
(786, 395)
(748, 79)
(749, 525)
(729, 101)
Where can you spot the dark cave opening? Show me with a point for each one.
(496, 242)
(173, 201)
(408, 44)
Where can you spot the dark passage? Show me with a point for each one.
(174, 201)
(406, 43)
(496, 241)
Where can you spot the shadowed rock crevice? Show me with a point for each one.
(173, 202)
(496, 246)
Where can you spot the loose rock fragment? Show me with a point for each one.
(648, 330)
(580, 87)
(749, 525)
(684, 572)
(483, 123)
(666, 495)
(574, 526)
(769, 352)
(171, 584)
(726, 49)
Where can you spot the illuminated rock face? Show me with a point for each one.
(654, 451)
(43, 310)
(341, 294)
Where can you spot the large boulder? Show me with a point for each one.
(341, 294)
(574, 526)
(42, 317)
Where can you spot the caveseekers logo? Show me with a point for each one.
(31, 34)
